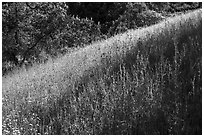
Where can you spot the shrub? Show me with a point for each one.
(137, 15)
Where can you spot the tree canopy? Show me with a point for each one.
(35, 31)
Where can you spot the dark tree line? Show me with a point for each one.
(34, 32)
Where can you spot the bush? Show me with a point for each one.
(136, 16)
(78, 32)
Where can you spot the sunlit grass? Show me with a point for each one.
(145, 81)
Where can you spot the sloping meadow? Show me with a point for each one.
(145, 81)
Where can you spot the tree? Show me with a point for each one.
(33, 29)
(26, 26)
(28, 29)
(136, 15)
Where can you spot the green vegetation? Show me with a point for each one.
(145, 81)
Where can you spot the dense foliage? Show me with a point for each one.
(34, 32)
(107, 13)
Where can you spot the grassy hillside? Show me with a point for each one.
(145, 81)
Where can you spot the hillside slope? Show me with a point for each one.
(71, 75)
(118, 49)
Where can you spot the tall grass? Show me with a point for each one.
(145, 81)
